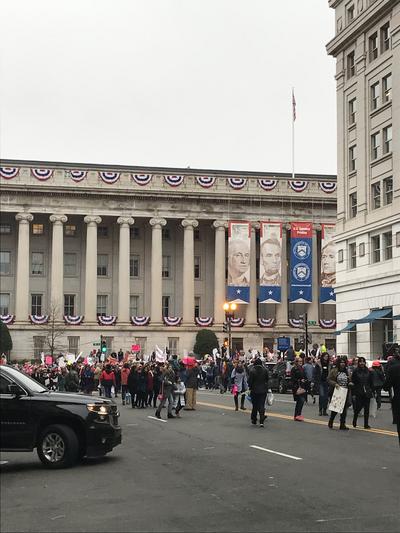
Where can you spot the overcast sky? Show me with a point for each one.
(199, 83)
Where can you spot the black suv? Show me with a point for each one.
(63, 427)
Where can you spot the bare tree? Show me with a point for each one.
(53, 331)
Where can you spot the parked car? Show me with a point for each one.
(279, 376)
(63, 427)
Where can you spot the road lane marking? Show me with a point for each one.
(155, 418)
(306, 420)
(3, 462)
(201, 393)
(276, 453)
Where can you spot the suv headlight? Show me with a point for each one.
(100, 409)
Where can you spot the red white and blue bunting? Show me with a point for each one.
(142, 179)
(266, 322)
(78, 175)
(9, 172)
(204, 321)
(206, 181)
(295, 323)
(107, 320)
(140, 320)
(109, 177)
(298, 186)
(267, 185)
(42, 174)
(327, 324)
(327, 186)
(174, 181)
(172, 320)
(237, 322)
(39, 319)
(73, 320)
(237, 183)
(7, 319)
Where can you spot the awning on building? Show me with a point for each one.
(396, 317)
(372, 316)
(348, 327)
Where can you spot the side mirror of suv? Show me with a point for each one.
(15, 389)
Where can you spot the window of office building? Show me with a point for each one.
(352, 158)
(70, 264)
(166, 234)
(352, 255)
(73, 345)
(387, 245)
(373, 46)
(350, 13)
(70, 230)
(102, 304)
(69, 304)
(387, 139)
(166, 300)
(135, 232)
(375, 96)
(37, 264)
(134, 266)
(351, 68)
(5, 263)
(4, 303)
(36, 304)
(37, 229)
(376, 195)
(388, 191)
(173, 343)
(166, 266)
(102, 265)
(385, 37)
(387, 88)
(5, 229)
(375, 248)
(197, 270)
(375, 137)
(134, 305)
(38, 345)
(352, 111)
(197, 306)
(102, 231)
(353, 204)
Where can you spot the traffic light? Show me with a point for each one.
(103, 345)
(225, 327)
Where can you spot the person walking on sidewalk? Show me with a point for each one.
(393, 381)
(191, 388)
(321, 372)
(239, 386)
(339, 377)
(299, 387)
(258, 385)
(361, 380)
(167, 390)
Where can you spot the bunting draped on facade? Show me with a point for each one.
(39, 319)
(140, 320)
(41, 174)
(270, 262)
(9, 172)
(174, 181)
(295, 323)
(266, 322)
(78, 175)
(328, 264)
(237, 322)
(109, 320)
(237, 183)
(142, 179)
(204, 321)
(301, 262)
(327, 324)
(109, 177)
(7, 319)
(73, 320)
(172, 320)
(327, 186)
(297, 185)
(267, 185)
(239, 262)
(206, 181)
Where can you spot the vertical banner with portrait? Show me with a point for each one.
(270, 262)
(328, 264)
(301, 262)
(239, 262)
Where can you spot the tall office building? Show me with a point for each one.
(367, 51)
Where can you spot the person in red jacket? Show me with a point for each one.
(107, 380)
(124, 381)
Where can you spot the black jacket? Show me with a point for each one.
(393, 381)
(362, 379)
(258, 380)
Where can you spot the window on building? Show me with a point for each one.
(340, 256)
(387, 245)
(166, 305)
(388, 191)
(69, 304)
(38, 345)
(102, 304)
(352, 255)
(70, 230)
(375, 138)
(73, 345)
(4, 303)
(5, 229)
(353, 204)
(196, 234)
(134, 305)
(166, 266)
(361, 249)
(352, 111)
(387, 139)
(385, 37)
(5, 263)
(70, 264)
(36, 304)
(102, 231)
(387, 88)
(37, 229)
(375, 96)
(173, 343)
(135, 232)
(166, 234)
(376, 195)
(134, 266)
(37, 264)
(376, 248)
(197, 306)
(373, 46)
(352, 158)
(102, 264)
(351, 68)
(197, 269)
(350, 13)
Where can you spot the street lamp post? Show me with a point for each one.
(229, 309)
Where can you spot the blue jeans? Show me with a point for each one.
(323, 395)
(166, 396)
(300, 400)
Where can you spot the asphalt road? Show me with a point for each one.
(212, 470)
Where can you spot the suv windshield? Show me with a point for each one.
(24, 380)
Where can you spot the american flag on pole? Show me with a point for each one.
(293, 105)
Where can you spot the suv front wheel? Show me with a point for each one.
(58, 446)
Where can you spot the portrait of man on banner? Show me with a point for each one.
(328, 264)
(270, 261)
(238, 262)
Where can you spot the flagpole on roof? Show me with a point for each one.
(293, 120)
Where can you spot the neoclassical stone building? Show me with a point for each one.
(126, 246)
